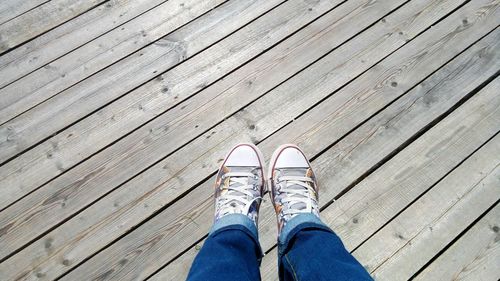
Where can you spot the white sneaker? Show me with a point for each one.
(294, 189)
(240, 183)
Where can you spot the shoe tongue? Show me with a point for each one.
(251, 181)
(243, 169)
(300, 172)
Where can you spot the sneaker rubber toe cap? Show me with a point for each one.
(243, 155)
(291, 157)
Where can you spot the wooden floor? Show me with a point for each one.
(115, 115)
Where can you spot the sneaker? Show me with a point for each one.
(294, 189)
(240, 183)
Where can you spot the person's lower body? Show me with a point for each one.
(308, 250)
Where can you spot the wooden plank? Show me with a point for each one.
(93, 56)
(152, 241)
(379, 197)
(182, 81)
(474, 256)
(147, 102)
(175, 165)
(10, 9)
(369, 144)
(409, 241)
(41, 19)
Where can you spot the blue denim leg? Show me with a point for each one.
(309, 250)
(231, 252)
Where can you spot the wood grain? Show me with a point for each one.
(474, 256)
(68, 36)
(10, 9)
(134, 34)
(36, 21)
(402, 247)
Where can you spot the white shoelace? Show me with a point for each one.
(235, 200)
(304, 195)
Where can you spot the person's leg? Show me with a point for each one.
(308, 249)
(232, 251)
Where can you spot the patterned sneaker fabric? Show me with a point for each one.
(294, 193)
(238, 191)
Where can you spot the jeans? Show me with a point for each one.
(307, 250)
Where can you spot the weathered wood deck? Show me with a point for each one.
(114, 115)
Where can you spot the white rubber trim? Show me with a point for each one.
(259, 156)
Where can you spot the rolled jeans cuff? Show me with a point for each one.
(296, 224)
(237, 222)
